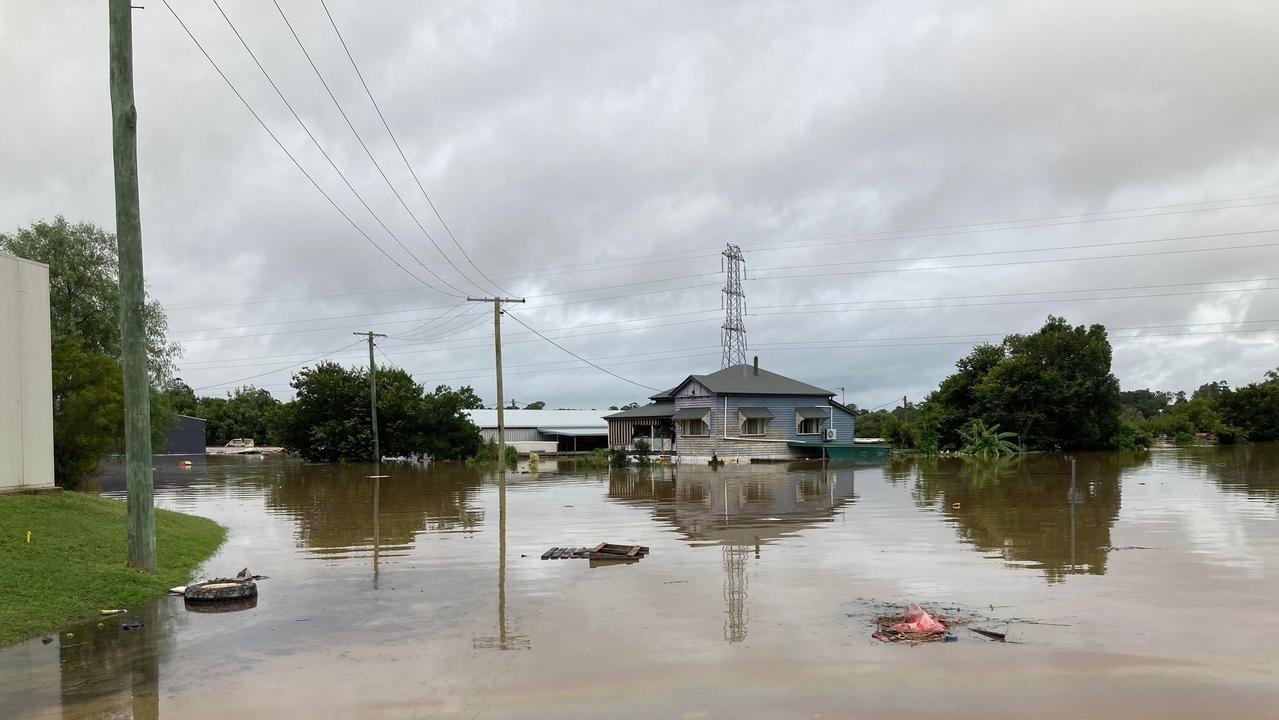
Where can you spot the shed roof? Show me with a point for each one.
(651, 410)
(743, 380)
(548, 419)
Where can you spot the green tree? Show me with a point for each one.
(1145, 401)
(1253, 409)
(535, 405)
(985, 441)
(246, 412)
(88, 411)
(84, 290)
(328, 421)
(1053, 388)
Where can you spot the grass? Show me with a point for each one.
(75, 563)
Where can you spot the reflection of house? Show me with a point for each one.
(739, 510)
(740, 413)
(545, 431)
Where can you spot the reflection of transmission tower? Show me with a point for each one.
(735, 592)
(733, 335)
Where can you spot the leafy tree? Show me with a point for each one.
(535, 405)
(84, 290)
(985, 441)
(181, 397)
(1211, 390)
(1253, 409)
(246, 412)
(329, 419)
(1053, 388)
(88, 411)
(1145, 401)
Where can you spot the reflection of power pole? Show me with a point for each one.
(504, 640)
(133, 344)
(735, 592)
(377, 452)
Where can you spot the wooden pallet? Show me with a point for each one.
(565, 553)
(624, 553)
(603, 551)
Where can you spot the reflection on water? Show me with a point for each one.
(397, 595)
(1018, 508)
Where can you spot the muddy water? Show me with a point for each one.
(422, 594)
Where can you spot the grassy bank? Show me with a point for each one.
(75, 562)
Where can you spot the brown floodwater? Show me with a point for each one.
(422, 594)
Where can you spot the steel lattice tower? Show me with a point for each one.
(733, 333)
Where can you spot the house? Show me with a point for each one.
(545, 431)
(739, 414)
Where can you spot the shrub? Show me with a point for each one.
(643, 452)
(532, 462)
(1185, 439)
(982, 441)
(617, 458)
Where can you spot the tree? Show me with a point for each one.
(329, 419)
(1147, 402)
(1211, 390)
(1253, 409)
(246, 412)
(985, 441)
(535, 405)
(1053, 388)
(84, 297)
(84, 290)
(88, 411)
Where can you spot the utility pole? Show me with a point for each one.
(497, 354)
(133, 346)
(377, 452)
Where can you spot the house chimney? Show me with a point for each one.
(756, 372)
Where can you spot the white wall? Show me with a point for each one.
(26, 376)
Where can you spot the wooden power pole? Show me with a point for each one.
(128, 232)
(377, 451)
(497, 353)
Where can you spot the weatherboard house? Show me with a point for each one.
(739, 414)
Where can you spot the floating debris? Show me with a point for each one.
(109, 613)
(990, 634)
(602, 551)
(131, 624)
(915, 626)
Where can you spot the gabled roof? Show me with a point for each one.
(743, 380)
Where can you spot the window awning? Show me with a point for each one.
(755, 413)
(813, 413)
(691, 413)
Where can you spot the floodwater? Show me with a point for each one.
(423, 594)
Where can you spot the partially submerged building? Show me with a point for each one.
(738, 414)
(545, 431)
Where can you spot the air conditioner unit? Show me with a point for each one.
(831, 433)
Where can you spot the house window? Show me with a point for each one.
(754, 426)
(694, 428)
(810, 426)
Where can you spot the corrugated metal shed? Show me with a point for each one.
(537, 419)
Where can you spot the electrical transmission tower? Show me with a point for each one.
(733, 334)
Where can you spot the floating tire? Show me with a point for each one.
(221, 606)
(221, 590)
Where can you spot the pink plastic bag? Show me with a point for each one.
(918, 621)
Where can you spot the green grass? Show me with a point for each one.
(75, 563)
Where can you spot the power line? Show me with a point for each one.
(324, 152)
(1026, 250)
(1017, 262)
(297, 164)
(279, 369)
(355, 66)
(365, 147)
(579, 357)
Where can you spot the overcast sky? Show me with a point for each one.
(596, 157)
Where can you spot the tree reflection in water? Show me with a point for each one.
(1020, 507)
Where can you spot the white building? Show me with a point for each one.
(545, 431)
(26, 376)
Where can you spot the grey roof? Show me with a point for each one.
(593, 430)
(813, 413)
(664, 394)
(691, 413)
(652, 410)
(761, 413)
(539, 418)
(742, 380)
